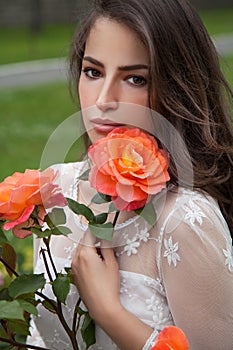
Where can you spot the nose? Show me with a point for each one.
(108, 97)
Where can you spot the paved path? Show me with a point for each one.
(32, 73)
(43, 71)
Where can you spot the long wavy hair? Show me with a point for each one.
(186, 85)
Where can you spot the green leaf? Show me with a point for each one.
(101, 198)
(101, 218)
(19, 327)
(26, 284)
(28, 307)
(29, 298)
(57, 217)
(9, 256)
(61, 230)
(35, 230)
(11, 310)
(3, 334)
(49, 307)
(148, 213)
(3, 238)
(68, 270)
(80, 311)
(4, 294)
(111, 208)
(85, 176)
(41, 234)
(104, 231)
(88, 331)
(61, 287)
(81, 209)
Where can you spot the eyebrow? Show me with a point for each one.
(122, 68)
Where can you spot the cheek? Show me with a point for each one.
(85, 97)
(140, 98)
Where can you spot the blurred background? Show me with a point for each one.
(35, 38)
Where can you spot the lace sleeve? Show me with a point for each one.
(197, 272)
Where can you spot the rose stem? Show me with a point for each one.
(59, 308)
(50, 256)
(17, 275)
(9, 267)
(75, 315)
(46, 265)
(115, 218)
(21, 345)
(59, 311)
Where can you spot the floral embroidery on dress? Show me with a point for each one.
(155, 284)
(131, 246)
(124, 289)
(123, 286)
(152, 303)
(69, 250)
(229, 257)
(193, 213)
(171, 251)
(160, 314)
(144, 235)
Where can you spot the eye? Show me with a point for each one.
(137, 80)
(92, 73)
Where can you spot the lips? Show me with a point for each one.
(104, 126)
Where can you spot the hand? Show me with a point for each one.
(96, 277)
(98, 283)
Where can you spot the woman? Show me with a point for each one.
(158, 55)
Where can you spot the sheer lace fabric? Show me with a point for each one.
(178, 272)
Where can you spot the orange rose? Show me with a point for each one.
(22, 192)
(128, 166)
(171, 338)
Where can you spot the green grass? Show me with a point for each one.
(227, 67)
(28, 117)
(218, 21)
(21, 44)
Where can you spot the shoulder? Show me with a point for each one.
(192, 208)
(195, 227)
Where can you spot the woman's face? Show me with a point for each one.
(114, 80)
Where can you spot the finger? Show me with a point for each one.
(108, 255)
(106, 244)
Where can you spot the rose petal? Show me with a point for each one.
(130, 193)
(24, 217)
(128, 164)
(20, 233)
(120, 204)
(102, 183)
(56, 200)
(171, 337)
(22, 191)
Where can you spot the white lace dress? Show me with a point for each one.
(180, 272)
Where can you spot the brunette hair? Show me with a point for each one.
(186, 85)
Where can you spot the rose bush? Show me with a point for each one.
(22, 193)
(24, 198)
(128, 166)
(171, 338)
